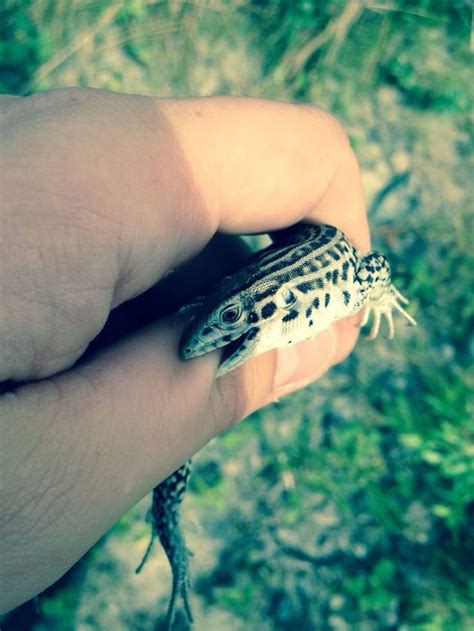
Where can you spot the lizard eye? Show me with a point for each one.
(231, 314)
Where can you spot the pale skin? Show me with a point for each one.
(101, 194)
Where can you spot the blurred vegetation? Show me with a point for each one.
(349, 505)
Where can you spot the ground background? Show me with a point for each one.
(349, 505)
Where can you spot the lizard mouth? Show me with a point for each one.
(232, 348)
(235, 350)
(191, 347)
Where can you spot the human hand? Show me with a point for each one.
(102, 194)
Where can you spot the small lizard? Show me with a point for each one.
(308, 278)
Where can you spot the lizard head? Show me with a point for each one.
(230, 324)
(230, 317)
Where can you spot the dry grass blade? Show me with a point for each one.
(335, 30)
(82, 39)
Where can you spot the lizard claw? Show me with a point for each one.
(383, 306)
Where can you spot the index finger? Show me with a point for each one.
(263, 165)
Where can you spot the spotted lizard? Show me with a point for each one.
(308, 278)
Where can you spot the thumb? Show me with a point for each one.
(96, 439)
(277, 373)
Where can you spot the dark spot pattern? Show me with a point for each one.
(306, 268)
(308, 312)
(328, 275)
(335, 276)
(268, 262)
(305, 287)
(342, 247)
(345, 268)
(327, 299)
(346, 297)
(310, 285)
(310, 323)
(252, 317)
(264, 294)
(316, 302)
(291, 315)
(268, 310)
(324, 261)
(334, 255)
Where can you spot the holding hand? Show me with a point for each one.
(101, 195)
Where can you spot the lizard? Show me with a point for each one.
(309, 277)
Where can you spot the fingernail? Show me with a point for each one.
(303, 363)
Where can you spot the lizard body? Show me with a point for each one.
(308, 278)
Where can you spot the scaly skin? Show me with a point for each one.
(308, 278)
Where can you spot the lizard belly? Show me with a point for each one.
(305, 320)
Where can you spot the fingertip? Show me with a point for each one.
(305, 362)
(268, 377)
(244, 390)
(274, 374)
(263, 165)
(348, 333)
